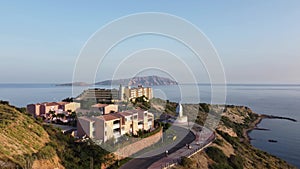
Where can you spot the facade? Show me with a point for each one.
(131, 93)
(99, 95)
(114, 125)
(41, 109)
(34, 109)
(113, 95)
(69, 106)
(104, 108)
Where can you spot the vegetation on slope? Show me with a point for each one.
(20, 137)
(25, 141)
(232, 148)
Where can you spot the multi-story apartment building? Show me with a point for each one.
(114, 125)
(131, 93)
(99, 95)
(104, 108)
(114, 95)
(41, 109)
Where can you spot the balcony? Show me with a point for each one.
(117, 134)
(117, 125)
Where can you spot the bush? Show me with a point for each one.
(216, 155)
(219, 142)
(186, 162)
(46, 152)
(166, 126)
(233, 141)
(236, 162)
(204, 107)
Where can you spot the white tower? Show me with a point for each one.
(121, 92)
(179, 110)
(180, 117)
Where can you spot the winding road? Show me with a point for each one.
(147, 159)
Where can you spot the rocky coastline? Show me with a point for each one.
(254, 124)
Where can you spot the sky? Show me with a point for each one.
(257, 41)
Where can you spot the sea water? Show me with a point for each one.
(280, 100)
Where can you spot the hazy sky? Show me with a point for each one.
(258, 41)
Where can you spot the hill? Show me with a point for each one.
(27, 143)
(23, 141)
(232, 148)
(145, 80)
(73, 84)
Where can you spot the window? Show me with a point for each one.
(105, 133)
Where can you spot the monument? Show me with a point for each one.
(180, 117)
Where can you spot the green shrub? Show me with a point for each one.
(204, 107)
(236, 162)
(219, 142)
(186, 162)
(216, 154)
(232, 140)
(46, 152)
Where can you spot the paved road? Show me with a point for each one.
(139, 163)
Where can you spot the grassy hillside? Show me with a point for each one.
(20, 137)
(26, 143)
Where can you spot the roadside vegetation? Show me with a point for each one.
(24, 141)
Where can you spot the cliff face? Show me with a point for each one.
(145, 81)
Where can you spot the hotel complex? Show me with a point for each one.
(114, 95)
(101, 121)
(42, 109)
(99, 95)
(132, 93)
(114, 125)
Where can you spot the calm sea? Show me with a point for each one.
(281, 100)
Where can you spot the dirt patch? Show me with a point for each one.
(53, 163)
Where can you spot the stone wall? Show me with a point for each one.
(135, 147)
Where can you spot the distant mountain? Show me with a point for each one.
(144, 80)
(73, 84)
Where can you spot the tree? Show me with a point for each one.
(142, 102)
(68, 99)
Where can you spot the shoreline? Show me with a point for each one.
(253, 125)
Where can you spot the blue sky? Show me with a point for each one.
(257, 41)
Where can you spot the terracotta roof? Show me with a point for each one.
(109, 117)
(125, 113)
(51, 104)
(63, 103)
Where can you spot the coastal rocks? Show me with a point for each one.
(272, 141)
